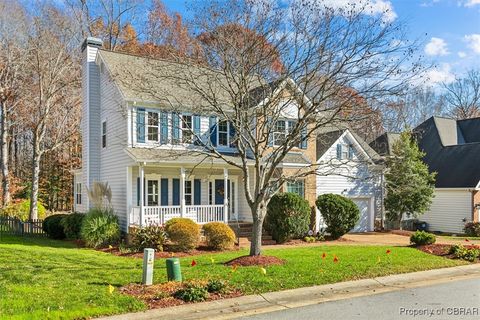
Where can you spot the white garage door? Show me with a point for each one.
(364, 224)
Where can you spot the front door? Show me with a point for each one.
(219, 191)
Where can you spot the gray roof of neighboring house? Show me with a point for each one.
(172, 84)
(383, 143)
(452, 150)
(327, 135)
(296, 158)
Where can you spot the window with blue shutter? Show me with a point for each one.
(339, 151)
(232, 135)
(196, 129)
(140, 125)
(164, 192)
(175, 192)
(350, 152)
(212, 123)
(175, 128)
(270, 131)
(163, 127)
(197, 189)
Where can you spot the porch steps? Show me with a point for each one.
(243, 231)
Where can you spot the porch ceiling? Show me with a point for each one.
(155, 155)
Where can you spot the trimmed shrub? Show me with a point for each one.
(72, 225)
(288, 217)
(472, 229)
(99, 228)
(420, 238)
(183, 232)
(340, 214)
(219, 236)
(52, 226)
(152, 236)
(192, 292)
(21, 209)
(216, 286)
(469, 254)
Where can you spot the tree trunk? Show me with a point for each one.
(258, 214)
(35, 179)
(4, 155)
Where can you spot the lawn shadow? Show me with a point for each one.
(39, 241)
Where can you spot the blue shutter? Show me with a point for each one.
(175, 128)
(138, 191)
(303, 141)
(212, 123)
(140, 125)
(232, 134)
(270, 131)
(196, 128)
(176, 192)
(163, 127)
(164, 192)
(339, 151)
(350, 152)
(197, 189)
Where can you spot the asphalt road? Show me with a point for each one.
(451, 300)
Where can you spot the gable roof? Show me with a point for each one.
(327, 136)
(383, 143)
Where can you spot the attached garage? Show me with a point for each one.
(449, 211)
(365, 223)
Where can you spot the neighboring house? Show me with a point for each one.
(131, 135)
(348, 166)
(452, 149)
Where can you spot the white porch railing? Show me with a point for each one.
(159, 215)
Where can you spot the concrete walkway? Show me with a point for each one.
(283, 300)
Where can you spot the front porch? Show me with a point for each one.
(169, 192)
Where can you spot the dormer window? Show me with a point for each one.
(223, 133)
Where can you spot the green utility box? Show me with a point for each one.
(174, 273)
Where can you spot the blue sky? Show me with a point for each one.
(450, 30)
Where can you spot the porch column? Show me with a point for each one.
(142, 193)
(130, 218)
(225, 195)
(182, 192)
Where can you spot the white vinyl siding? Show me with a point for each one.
(448, 210)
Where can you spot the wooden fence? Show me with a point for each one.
(15, 226)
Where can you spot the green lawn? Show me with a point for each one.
(47, 279)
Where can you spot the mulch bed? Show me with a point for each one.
(442, 250)
(405, 233)
(166, 253)
(160, 295)
(246, 261)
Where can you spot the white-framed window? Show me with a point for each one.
(344, 151)
(153, 192)
(188, 192)
(223, 133)
(152, 126)
(297, 187)
(187, 129)
(280, 131)
(78, 193)
(104, 134)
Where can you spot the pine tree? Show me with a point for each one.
(409, 184)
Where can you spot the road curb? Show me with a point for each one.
(273, 301)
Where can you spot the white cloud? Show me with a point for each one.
(439, 75)
(461, 54)
(473, 41)
(370, 7)
(471, 3)
(436, 47)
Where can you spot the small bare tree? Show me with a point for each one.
(463, 96)
(54, 98)
(263, 63)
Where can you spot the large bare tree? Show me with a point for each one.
(255, 51)
(463, 96)
(54, 95)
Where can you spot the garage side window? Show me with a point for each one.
(78, 193)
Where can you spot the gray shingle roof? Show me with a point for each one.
(456, 165)
(295, 158)
(383, 143)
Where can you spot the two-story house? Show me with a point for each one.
(132, 136)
